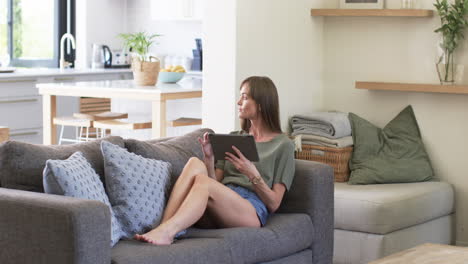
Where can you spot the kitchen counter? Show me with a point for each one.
(122, 86)
(47, 72)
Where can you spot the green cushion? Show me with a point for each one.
(394, 154)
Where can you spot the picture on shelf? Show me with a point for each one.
(362, 4)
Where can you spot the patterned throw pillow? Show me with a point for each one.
(75, 177)
(136, 187)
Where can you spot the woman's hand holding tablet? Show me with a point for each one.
(222, 143)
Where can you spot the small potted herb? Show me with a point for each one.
(145, 67)
(453, 22)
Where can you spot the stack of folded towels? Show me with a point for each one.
(329, 129)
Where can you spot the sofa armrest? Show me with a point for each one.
(312, 193)
(44, 228)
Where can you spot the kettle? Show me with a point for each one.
(101, 57)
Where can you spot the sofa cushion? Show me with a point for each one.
(137, 188)
(177, 150)
(283, 235)
(384, 208)
(22, 164)
(75, 177)
(394, 154)
(190, 251)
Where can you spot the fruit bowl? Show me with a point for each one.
(170, 77)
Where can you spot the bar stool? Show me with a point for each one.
(104, 125)
(84, 123)
(78, 123)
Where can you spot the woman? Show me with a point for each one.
(235, 192)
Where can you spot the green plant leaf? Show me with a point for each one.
(453, 22)
(139, 42)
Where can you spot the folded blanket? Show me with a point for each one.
(322, 141)
(326, 124)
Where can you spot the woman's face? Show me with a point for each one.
(247, 106)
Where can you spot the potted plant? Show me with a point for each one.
(145, 67)
(453, 22)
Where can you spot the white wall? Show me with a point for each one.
(98, 22)
(279, 39)
(178, 36)
(219, 66)
(399, 50)
(265, 39)
(101, 21)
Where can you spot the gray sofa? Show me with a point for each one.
(40, 228)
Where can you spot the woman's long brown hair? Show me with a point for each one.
(263, 92)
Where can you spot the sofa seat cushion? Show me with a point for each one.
(193, 250)
(283, 235)
(22, 164)
(384, 208)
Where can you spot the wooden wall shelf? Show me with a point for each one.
(413, 87)
(373, 12)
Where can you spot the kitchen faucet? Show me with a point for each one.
(65, 64)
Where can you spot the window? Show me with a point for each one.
(30, 30)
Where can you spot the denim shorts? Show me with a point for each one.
(252, 197)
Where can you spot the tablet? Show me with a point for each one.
(222, 143)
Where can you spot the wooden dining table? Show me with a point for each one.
(158, 95)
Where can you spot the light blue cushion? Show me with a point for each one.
(75, 177)
(136, 187)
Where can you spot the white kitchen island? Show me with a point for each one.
(126, 89)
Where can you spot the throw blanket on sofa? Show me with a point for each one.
(326, 124)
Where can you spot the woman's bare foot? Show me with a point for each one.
(157, 236)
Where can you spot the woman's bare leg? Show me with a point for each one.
(188, 213)
(182, 186)
(230, 210)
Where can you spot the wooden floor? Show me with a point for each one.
(428, 254)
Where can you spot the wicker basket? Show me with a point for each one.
(338, 158)
(145, 73)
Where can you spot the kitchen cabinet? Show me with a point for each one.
(21, 105)
(186, 10)
(20, 108)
